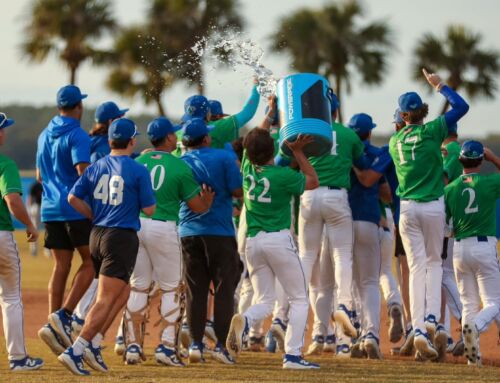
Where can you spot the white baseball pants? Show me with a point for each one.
(388, 284)
(328, 209)
(270, 256)
(83, 306)
(422, 231)
(10, 297)
(478, 276)
(450, 283)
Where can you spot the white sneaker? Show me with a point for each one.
(471, 342)
(278, 330)
(343, 319)
(133, 354)
(343, 351)
(441, 342)
(316, 346)
(237, 331)
(330, 343)
(407, 348)
(371, 346)
(424, 346)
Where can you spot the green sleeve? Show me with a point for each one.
(295, 182)
(494, 183)
(10, 181)
(189, 188)
(224, 130)
(437, 129)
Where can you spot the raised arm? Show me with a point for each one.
(271, 113)
(492, 157)
(249, 108)
(297, 147)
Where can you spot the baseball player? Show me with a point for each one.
(159, 248)
(118, 189)
(416, 153)
(63, 153)
(10, 277)
(270, 250)
(471, 204)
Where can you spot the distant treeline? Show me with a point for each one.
(30, 121)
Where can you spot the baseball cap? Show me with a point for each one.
(108, 111)
(472, 150)
(216, 108)
(122, 129)
(69, 95)
(361, 123)
(409, 101)
(397, 117)
(5, 122)
(194, 128)
(160, 127)
(195, 107)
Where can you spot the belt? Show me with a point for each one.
(480, 238)
(387, 229)
(414, 200)
(333, 188)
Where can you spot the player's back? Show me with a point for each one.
(471, 201)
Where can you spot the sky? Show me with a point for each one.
(36, 84)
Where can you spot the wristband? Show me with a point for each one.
(439, 86)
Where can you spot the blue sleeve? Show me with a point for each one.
(362, 162)
(146, 194)
(459, 106)
(80, 147)
(232, 173)
(249, 109)
(382, 162)
(82, 188)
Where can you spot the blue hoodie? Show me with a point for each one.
(61, 146)
(99, 147)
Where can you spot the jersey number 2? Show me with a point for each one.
(110, 190)
(472, 196)
(262, 197)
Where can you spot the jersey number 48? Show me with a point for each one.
(110, 190)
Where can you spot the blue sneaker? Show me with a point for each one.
(270, 342)
(76, 324)
(51, 339)
(196, 352)
(119, 345)
(167, 356)
(342, 317)
(222, 355)
(73, 362)
(278, 329)
(424, 346)
(26, 364)
(343, 351)
(94, 359)
(330, 342)
(237, 333)
(296, 362)
(431, 325)
(408, 348)
(61, 323)
(316, 346)
(134, 354)
(371, 346)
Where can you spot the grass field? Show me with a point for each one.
(251, 367)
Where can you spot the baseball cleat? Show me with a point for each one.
(471, 342)
(431, 327)
(458, 348)
(210, 331)
(316, 346)
(222, 355)
(407, 348)
(196, 353)
(237, 331)
(73, 362)
(441, 342)
(167, 356)
(61, 323)
(329, 343)
(119, 345)
(342, 318)
(424, 345)
(371, 346)
(93, 358)
(51, 339)
(358, 349)
(255, 343)
(76, 325)
(26, 364)
(270, 342)
(396, 331)
(296, 362)
(133, 354)
(278, 329)
(343, 351)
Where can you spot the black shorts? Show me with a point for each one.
(67, 235)
(399, 249)
(114, 251)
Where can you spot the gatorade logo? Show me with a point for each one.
(289, 93)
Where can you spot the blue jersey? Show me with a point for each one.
(364, 201)
(99, 147)
(61, 146)
(383, 164)
(117, 188)
(216, 168)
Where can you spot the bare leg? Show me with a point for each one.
(57, 283)
(117, 308)
(82, 280)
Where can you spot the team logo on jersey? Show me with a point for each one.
(156, 156)
(467, 179)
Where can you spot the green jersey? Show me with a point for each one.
(416, 152)
(172, 181)
(10, 182)
(268, 192)
(452, 166)
(275, 135)
(471, 203)
(334, 168)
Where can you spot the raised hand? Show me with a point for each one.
(433, 79)
(300, 142)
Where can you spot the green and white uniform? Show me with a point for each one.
(452, 166)
(159, 256)
(10, 278)
(270, 250)
(471, 203)
(416, 153)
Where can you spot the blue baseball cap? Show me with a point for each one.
(195, 107)
(122, 129)
(409, 101)
(334, 101)
(108, 111)
(216, 108)
(472, 150)
(69, 95)
(397, 117)
(5, 122)
(160, 127)
(194, 128)
(361, 123)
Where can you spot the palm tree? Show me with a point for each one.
(183, 23)
(460, 56)
(140, 66)
(68, 29)
(330, 41)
